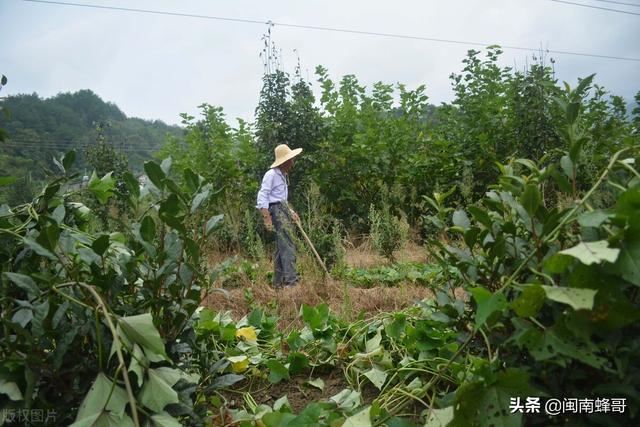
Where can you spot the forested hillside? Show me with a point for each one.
(39, 129)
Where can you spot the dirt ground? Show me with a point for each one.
(346, 301)
(298, 392)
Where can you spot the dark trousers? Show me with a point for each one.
(285, 260)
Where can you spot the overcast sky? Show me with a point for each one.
(155, 66)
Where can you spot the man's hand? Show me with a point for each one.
(295, 217)
(266, 218)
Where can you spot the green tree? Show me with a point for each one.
(104, 159)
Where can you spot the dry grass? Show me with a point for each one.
(346, 301)
(364, 256)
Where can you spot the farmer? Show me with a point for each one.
(272, 203)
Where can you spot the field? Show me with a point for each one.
(483, 256)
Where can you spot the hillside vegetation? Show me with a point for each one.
(39, 129)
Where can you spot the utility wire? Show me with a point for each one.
(619, 2)
(76, 142)
(27, 144)
(339, 30)
(63, 142)
(583, 5)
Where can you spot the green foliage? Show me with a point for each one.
(39, 130)
(395, 275)
(106, 161)
(252, 242)
(370, 146)
(324, 230)
(545, 300)
(388, 233)
(81, 311)
(221, 154)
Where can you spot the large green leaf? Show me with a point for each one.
(376, 376)
(315, 317)
(140, 329)
(156, 392)
(480, 215)
(138, 364)
(487, 405)
(460, 219)
(488, 304)
(547, 345)
(172, 375)
(440, 417)
(68, 159)
(105, 419)
(191, 179)
(155, 174)
(531, 198)
(132, 184)
(101, 244)
(360, 419)
(212, 223)
(10, 389)
(593, 252)
(166, 165)
(557, 263)
(347, 399)
(25, 283)
(39, 249)
(592, 219)
(529, 302)
(578, 298)
(226, 380)
(103, 396)
(148, 229)
(374, 343)
(277, 371)
(200, 197)
(103, 188)
(163, 419)
(628, 263)
(567, 166)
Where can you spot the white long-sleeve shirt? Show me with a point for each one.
(273, 189)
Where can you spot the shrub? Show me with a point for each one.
(388, 232)
(253, 245)
(323, 230)
(86, 316)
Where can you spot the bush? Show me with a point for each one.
(323, 230)
(388, 232)
(86, 316)
(253, 245)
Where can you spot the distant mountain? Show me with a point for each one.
(39, 129)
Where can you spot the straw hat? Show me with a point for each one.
(284, 153)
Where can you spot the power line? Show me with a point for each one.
(61, 149)
(33, 144)
(333, 29)
(619, 2)
(580, 4)
(80, 143)
(126, 141)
